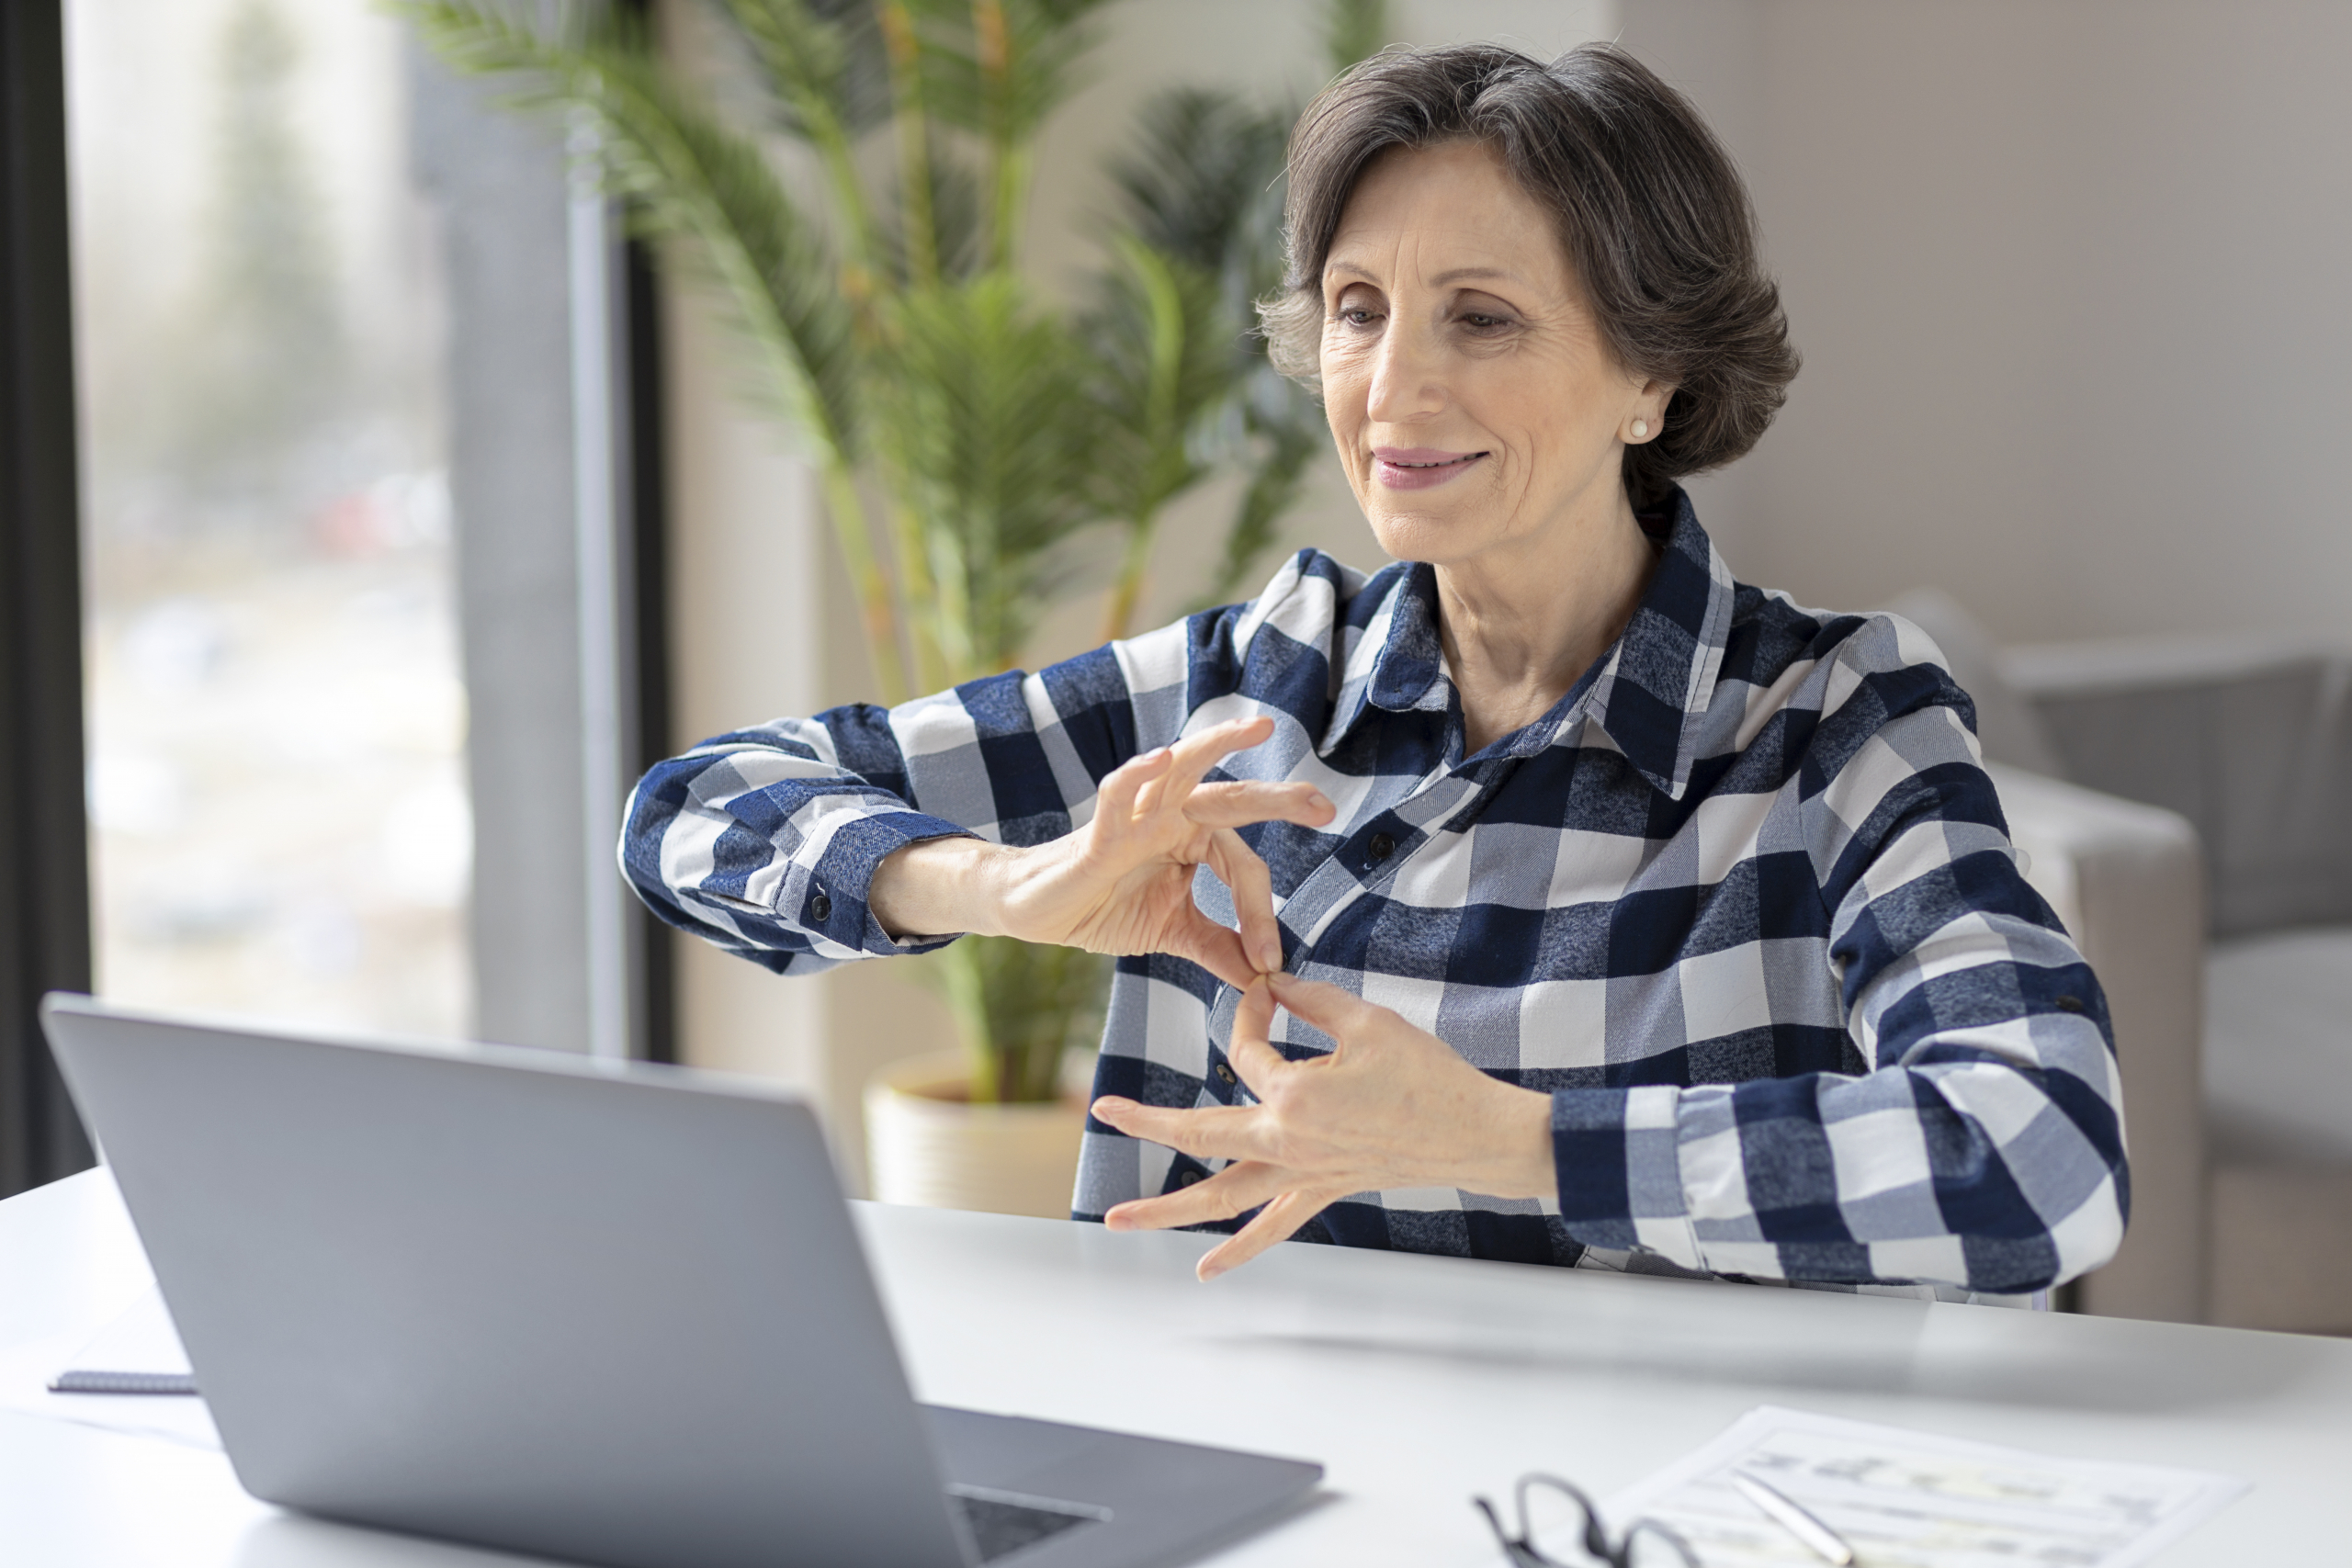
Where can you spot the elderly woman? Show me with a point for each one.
(1548, 895)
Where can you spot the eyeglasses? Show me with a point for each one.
(1521, 1551)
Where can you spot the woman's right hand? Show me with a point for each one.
(1122, 884)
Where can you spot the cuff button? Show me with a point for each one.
(820, 907)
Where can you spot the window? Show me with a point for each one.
(276, 714)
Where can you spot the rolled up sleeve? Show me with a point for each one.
(766, 841)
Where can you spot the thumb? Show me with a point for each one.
(1252, 1054)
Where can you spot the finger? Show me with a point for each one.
(1279, 1222)
(1244, 874)
(1239, 804)
(1253, 1056)
(1334, 1012)
(1214, 948)
(1116, 798)
(1213, 1131)
(1195, 751)
(1236, 1190)
(1196, 754)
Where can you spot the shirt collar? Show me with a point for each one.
(1649, 692)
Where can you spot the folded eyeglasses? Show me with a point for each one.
(1635, 1549)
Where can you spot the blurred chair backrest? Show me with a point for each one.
(2250, 737)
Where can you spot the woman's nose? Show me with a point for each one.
(1405, 381)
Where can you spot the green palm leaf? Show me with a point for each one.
(1162, 346)
(1204, 182)
(982, 409)
(823, 68)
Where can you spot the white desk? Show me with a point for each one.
(1416, 1379)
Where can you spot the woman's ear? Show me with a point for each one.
(1647, 417)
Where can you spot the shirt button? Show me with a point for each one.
(1187, 1179)
(1225, 1072)
(820, 907)
(2070, 1004)
(1380, 848)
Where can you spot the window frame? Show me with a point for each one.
(45, 936)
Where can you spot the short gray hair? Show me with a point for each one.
(1655, 219)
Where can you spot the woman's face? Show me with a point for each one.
(1473, 400)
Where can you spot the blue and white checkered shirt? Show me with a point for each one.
(1742, 903)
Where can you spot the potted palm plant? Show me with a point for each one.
(966, 437)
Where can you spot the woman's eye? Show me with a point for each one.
(1355, 315)
(1478, 320)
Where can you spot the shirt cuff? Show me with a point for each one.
(833, 896)
(1617, 1154)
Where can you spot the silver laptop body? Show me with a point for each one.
(615, 1316)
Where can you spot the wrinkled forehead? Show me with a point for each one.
(1452, 215)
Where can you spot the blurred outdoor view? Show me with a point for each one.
(275, 717)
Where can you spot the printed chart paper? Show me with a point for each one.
(1907, 1499)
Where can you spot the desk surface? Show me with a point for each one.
(1416, 1381)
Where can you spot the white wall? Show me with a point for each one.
(2068, 282)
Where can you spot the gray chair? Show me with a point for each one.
(2186, 805)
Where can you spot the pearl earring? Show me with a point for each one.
(1641, 428)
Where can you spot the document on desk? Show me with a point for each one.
(141, 1339)
(1907, 1499)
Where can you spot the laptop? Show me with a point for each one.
(615, 1314)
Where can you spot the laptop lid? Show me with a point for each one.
(513, 1298)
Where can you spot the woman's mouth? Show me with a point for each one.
(1420, 468)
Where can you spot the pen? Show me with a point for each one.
(1796, 1520)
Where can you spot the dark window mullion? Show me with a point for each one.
(645, 516)
(44, 855)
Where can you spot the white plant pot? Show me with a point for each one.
(927, 1145)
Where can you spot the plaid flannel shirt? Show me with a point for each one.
(1742, 903)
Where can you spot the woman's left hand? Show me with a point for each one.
(1392, 1106)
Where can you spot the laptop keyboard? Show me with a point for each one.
(1001, 1523)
